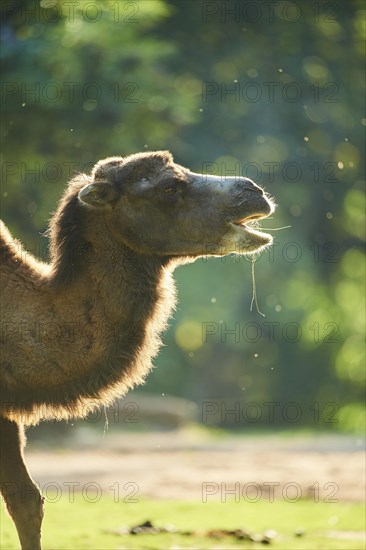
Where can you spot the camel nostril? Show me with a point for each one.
(256, 189)
(246, 184)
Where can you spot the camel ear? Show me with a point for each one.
(100, 194)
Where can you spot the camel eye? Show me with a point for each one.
(170, 190)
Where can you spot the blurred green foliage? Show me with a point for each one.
(273, 92)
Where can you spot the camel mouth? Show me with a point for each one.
(252, 218)
(250, 224)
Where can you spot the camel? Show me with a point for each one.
(83, 329)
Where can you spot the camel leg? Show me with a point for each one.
(22, 497)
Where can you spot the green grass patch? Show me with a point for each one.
(86, 525)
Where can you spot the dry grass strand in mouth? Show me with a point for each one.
(276, 228)
(254, 259)
(256, 224)
(254, 295)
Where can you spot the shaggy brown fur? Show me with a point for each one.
(83, 329)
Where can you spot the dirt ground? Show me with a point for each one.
(176, 466)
